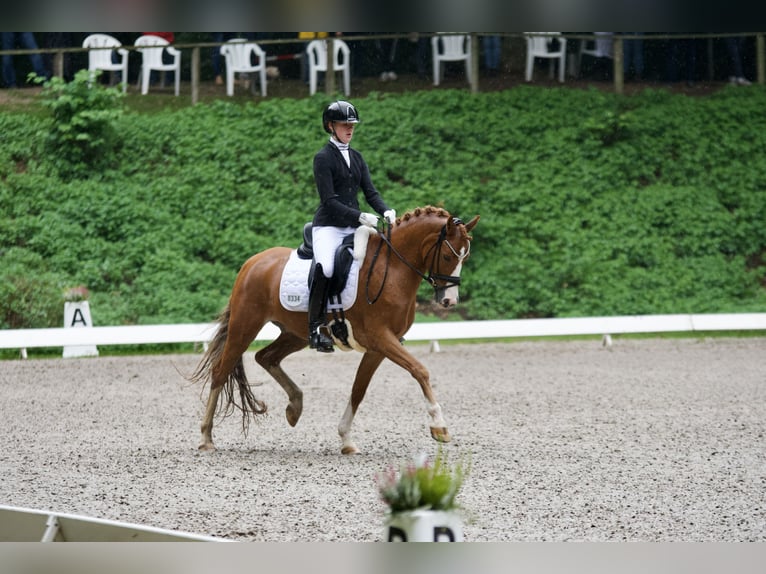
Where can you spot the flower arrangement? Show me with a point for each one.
(76, 294)
(423, 484)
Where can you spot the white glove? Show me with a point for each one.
(390, 216)
(368, 219)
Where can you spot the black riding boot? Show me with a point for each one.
(318, 311)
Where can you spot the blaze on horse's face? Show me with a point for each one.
(455, 249)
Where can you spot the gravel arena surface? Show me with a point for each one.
(650, 440)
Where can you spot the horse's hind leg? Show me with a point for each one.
(231, 358)
(270, 358)
(224, 358)
(367, 367)
(206, 443)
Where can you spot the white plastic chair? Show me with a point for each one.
(152, 48)
(101, 59)
(316, 52)
(540, 47)
(239, 55)
(600, 47)
(451, 48)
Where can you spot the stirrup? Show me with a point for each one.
(321, 342)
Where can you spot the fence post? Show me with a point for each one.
(58, 64)
(195, 75)
(619, 69)
(760, 55)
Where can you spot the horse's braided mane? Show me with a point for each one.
(431, 210)
(424, 211)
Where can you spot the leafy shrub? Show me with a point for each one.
(31, 296)
(82, 138)
(591, 203)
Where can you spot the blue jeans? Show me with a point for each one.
(491, 52)
(633, 51)
(26, 41)
(734, 47)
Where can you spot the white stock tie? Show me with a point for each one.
(343, 151)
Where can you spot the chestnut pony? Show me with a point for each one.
(426, 243)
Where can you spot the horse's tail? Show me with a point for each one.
(236, 380)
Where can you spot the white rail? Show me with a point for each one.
(30, 525)
(23, 339)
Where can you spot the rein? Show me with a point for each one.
(386, 240)
(431, 277)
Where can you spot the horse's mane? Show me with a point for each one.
(424, 211)
(429, 210)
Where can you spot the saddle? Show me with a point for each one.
(344, 257)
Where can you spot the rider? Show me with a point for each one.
(339, 173)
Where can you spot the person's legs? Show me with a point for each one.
(735, 57)
(491, 52)
(27, 42)
(325, 241)
(305, 64)
(638, 58)
(318, 339)
(633, 55)
(9, 73)
(681, 48)
(421, 56)
(57, 40)
(627, 55)
(217, 58)
(691, 60)
(387, 54)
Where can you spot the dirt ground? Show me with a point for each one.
(651, 440)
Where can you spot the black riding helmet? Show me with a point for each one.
(339, 111)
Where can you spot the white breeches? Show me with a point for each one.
(325, 241)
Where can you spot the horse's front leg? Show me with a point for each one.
(367, 367)
(395, 351)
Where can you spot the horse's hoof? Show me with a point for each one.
(349, 449)
(292, 415)
(440, 434)
(207, 447)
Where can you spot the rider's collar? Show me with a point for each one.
(339, 145)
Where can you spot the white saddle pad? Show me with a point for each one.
(294, 289)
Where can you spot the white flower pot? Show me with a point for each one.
(424, 526)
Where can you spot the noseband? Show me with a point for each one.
(431, 276)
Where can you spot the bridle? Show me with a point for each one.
(432, 275)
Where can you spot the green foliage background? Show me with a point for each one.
(591, 203)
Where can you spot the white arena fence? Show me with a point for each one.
(31, 525)
(202, 333)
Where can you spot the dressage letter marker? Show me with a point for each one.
(77, 315)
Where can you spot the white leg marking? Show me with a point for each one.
(344, 430)
(435, 411)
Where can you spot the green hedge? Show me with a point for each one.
(591, 203)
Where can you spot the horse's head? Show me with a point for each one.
(434, 245)
(450, 250)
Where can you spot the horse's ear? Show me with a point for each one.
(471, 224)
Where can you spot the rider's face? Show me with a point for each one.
(343, 131)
